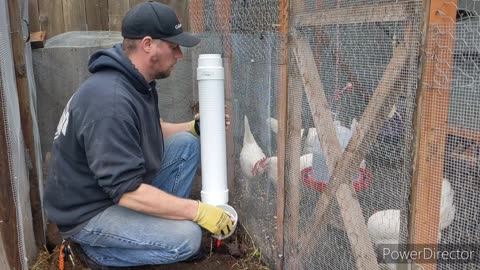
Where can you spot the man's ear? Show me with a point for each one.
(146, 44)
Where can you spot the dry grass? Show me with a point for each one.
(43, 260)
(252, 258)
(49, 261)
(236, 253)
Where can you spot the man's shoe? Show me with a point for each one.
(83, 257)
(199, 256)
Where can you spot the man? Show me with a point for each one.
(119, 179)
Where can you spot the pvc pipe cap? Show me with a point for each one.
(210, 60)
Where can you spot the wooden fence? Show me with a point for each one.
(60, 16)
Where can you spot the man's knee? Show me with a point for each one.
(184, 139)
(189, 145)
(189, 139)
(193, 234)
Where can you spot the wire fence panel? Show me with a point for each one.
(459, 207)
(357, 70)
(462, 148)
(35, 127)
(246, 32)
(15, 144)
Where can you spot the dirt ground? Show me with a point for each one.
(235, 253)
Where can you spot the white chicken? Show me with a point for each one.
(384, 226)
(311, 145)
(312, 137)
(274, 126)
(343, 133)
(271, 166)
(252, 158)
(447, 208)
(311, 134)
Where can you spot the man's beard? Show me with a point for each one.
(162, 75)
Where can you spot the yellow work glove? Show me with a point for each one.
(213, 219)
(195, 125)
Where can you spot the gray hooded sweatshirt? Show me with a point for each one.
(107, 143)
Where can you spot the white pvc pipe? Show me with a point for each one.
(210, 76)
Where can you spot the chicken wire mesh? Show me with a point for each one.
(246, 32)
(351, 60)
(364, 57)
(354, 58)
(462, 149)
(14, 137)
(37, 151)
(350, 51)
(459, 224)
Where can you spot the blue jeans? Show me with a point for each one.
(123, 237)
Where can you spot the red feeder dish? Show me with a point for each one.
(362, 182)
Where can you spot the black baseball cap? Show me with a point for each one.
(158, 21)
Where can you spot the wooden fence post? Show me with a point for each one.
(223, 10)
(18, 48)
(282, 101)
(431, 120)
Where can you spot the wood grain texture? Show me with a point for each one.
(116, 11)
(51, 17)
(96, 12)
(37, 39)
(356, 229)
(431, 121)
(33, 16)
(389, 12)
(23, 92)
(282, 99)
(136, 2)
(317, 100)
(293, 179)
(74, 15)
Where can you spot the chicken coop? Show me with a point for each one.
(355, 132)
(352, 131)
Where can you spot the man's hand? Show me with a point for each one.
(195, 124)
(213, 219)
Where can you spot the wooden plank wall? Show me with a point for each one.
(60, 16)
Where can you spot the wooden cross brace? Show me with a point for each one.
(340, 164)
